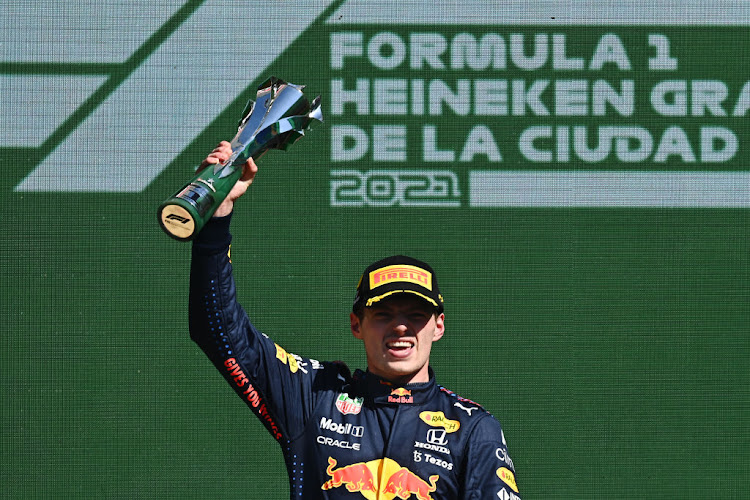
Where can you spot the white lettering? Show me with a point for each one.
(528, 148)
(348, 143)
(391, 96)
(459, 101)
(707, 96)
(426, 48)
(571, 98)
(327, 441)
(385, 188)
(581, 144)
(431, 153)
(501, 97)
(629, 144)
(480, 142)
(344, 45)
(743, 101)
(490, 51)
(712, 140)
(559, 58)
(518, 54)
(386, 50)
(603, 94)
(523, 98)
(503, 456)
(632, 144)
(432, 447)
(674, 142)
(697, 98)
(491, 97)
(417, 97)
(669, 98)
(437, 461)
(389, 142)
(610, 50)
(663, 60)
(341, 428)
(360, 96)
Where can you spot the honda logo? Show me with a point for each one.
(436, 436)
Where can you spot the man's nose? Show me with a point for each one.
(401, 325)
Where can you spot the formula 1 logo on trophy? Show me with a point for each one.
(275, 120)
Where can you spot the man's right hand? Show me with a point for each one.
(220, 154)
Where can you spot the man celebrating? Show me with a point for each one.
(388, 432)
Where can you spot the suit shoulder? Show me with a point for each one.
(461, 404)
(337, 370)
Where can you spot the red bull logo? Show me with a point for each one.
(404, 482)
(400, 395)
(380, 479)
(356, 477)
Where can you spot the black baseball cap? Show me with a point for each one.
(397, 274)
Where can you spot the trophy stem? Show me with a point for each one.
(184, 214)
(277, 119)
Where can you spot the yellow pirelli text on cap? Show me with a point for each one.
(400, 274)
(438, 419)
(508, 478)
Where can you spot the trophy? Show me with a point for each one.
(276, 119)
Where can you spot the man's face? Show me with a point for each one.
(398, 333)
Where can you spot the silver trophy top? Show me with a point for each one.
(278, 117)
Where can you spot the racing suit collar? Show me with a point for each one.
(380, 391)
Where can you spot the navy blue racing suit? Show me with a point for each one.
(344, 436)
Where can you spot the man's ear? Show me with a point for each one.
(355, 325)
(439, 327)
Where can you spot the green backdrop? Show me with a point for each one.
(597, 298)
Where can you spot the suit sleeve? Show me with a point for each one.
(489, 471)
(276, 385)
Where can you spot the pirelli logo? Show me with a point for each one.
(400, 274)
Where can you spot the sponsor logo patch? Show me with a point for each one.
(286, 358)
(436, 441)
(438, 419)
(464, 408)
(341, 428)
(504, 495)
(400, 274)
(420, 456)
(401, 395)
(502, 455)
(507, 477)
(380, 478)
(338, 443)
(349, 406)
